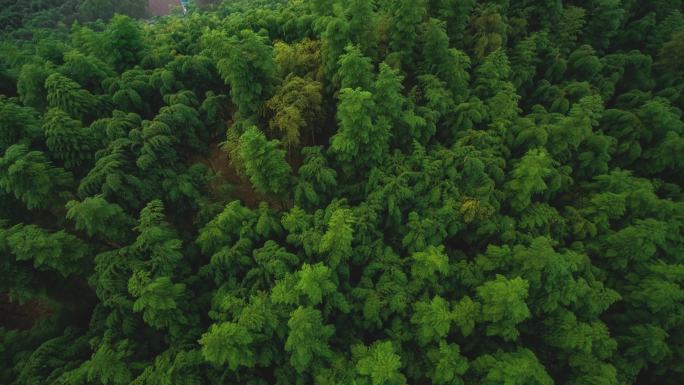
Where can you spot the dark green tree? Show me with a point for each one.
(246, 63)
(31, 178)
(265, 163)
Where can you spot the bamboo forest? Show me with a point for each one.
(342, 192)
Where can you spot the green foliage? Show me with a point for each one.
(105, 9)
(58, 251)
(426, 264)
(87, 70)
(389, 101)
(31, 178)
(97, 9)
(354, 69)
(66, 139)
(297, 105)
(406, 19)
(307, 338)
(264, 162)
(381, 363)
(449, 364)
(17, 124)
(518, 368)
(503, 305)
(246, 63)
(335, 38)
(228, 343)
(67, 95)
(107, 365)
(158, 299)
(412, 192)
(362, 26)
(465, 314)
(316, 178)
(315, 282)
(223, 228)
(123, 42)
(97, 217)
(359, 139)
(449, 64)
(31, 85)
(337, 240)
(533, 174)
(301, 59)
(433, 319)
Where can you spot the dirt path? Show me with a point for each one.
(219, 162)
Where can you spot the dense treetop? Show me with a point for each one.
(337, 192)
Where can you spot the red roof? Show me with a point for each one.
(161, 7)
